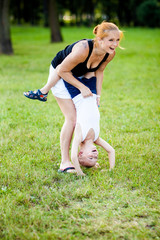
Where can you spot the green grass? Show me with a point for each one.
(38, 203)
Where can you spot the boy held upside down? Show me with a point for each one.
(87, 129)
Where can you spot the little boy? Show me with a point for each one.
(87, 128)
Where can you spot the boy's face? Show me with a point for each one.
(88, 156)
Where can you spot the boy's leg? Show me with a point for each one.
(69, 112)
(52, 80)
(41, 94)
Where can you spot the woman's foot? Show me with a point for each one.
(36, 95)
(67, 167)
(67, 170)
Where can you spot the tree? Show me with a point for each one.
(148, 14)
(45, 13)
(5, 39)
(54, 22)
(124, 12)
(26, 11)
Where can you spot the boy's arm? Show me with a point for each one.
(74, 151)
(109, 149)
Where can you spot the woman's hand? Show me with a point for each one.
(98, 101)
(86, 92)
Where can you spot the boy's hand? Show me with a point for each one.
(111, 168)
(81, 174)
(96, 165)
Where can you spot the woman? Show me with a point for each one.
(79, 59)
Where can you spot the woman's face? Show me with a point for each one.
(111, 42)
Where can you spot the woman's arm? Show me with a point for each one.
(78, 55)
(99, 75)
(109, 149)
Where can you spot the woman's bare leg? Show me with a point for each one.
(69, 112)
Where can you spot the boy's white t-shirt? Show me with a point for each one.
(87, 114)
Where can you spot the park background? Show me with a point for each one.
(36, 202)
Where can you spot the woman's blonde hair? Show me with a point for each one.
(102, 30)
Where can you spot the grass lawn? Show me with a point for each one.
(36, 202)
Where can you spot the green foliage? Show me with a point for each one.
(88, 12)
(36, 202)
(148, 13)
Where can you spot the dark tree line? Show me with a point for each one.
(127, 13)
(50, 13)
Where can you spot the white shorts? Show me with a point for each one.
(59, 90)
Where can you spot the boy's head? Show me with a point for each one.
(88, 155)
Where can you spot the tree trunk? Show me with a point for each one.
(54, 22)
(5, 40)
(45, 12)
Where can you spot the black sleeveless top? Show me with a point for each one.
(81, 68)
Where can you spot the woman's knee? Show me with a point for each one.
(68, 109)
(71, 120)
